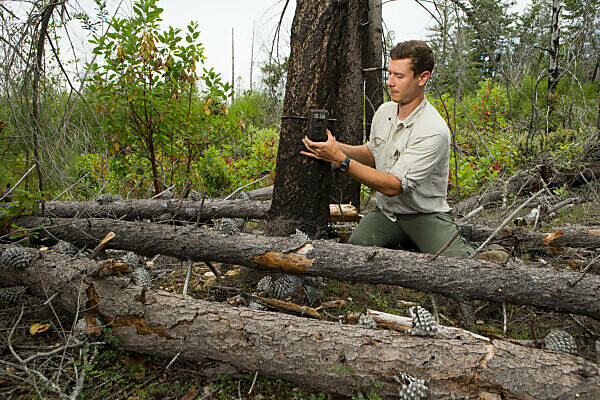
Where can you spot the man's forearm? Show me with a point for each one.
(386, 184)
(360, 153)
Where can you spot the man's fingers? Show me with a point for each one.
(306, 153)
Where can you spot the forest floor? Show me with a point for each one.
(117, 374)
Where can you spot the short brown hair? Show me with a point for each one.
(418, 51)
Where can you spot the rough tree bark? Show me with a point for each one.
(327, 356)
(328, 54)
(553, 71)
(462, 279)
(154, 209)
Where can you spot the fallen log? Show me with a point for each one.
(529, 182)
(177, 209)
(458, 278)
(327, 356)
(575, 236)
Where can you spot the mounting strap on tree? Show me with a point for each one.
(317, 124)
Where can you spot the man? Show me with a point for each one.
(406, 162)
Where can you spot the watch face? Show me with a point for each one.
(345, 164)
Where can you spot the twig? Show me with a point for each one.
(444, 247)
(10, 335)
(213, 269)
(245, 186)
(505, 318)
(187, 279)
(436, 314)
(164, 191)
(98, 249)
(562, 204)
(70, 187)
(507, 220)
(173, 360)
(253, 382)
(17, 184)
(472, 213)
(584, 272)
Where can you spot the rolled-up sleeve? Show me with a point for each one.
(421, 157)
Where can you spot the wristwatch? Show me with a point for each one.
(344, 164)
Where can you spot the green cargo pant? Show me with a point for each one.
(427, 232)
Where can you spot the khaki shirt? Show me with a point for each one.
(416, 151)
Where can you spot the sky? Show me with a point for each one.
(216, 20)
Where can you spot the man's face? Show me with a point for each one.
(402, 83)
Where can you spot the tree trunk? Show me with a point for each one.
(327, 356)
(462, 279)
(372, 64)
(325, 72)
(37, 73)
(553, 71)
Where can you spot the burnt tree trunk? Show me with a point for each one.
(329, 50)
(461, 279)
(553, 71)
(327, 356)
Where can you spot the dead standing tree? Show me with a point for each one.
(330, 47)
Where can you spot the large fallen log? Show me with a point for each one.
(454, 277)
(322, 355)
(188, 210)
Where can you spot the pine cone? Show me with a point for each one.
(66, 248)
(141, 277)
(195, 196)
(367, 321)
(423, 323)
(13, 294)
(131, 259)
(559, 340)
(16, 257)
(220, 295)
(231, 225)
(190, 212)
(286, 285)
(265, 284)
(105, 198)
(299, 235)
(412, 388)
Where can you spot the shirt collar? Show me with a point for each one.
(413, 115)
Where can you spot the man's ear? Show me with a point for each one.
(424, 78)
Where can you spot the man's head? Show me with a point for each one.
(409, 70)
(418, 52)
